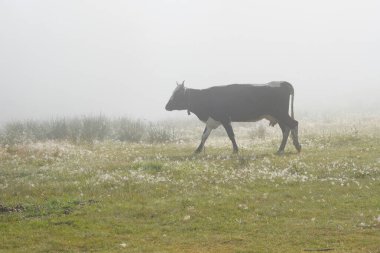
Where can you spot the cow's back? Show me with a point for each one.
(247, 102)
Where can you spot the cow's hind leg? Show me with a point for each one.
(231, 135)
(285, 134)
(293, 124)
(287, 125)
(294, 134)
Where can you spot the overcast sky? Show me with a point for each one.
(69, 58)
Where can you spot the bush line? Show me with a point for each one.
(86, 129)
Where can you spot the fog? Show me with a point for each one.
(123, 58)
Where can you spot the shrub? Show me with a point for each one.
(94, 128)
(159, 133)
(128, 130)
(258, 132)
(85, 129)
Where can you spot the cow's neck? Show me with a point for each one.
(194, 102)
(191, 98)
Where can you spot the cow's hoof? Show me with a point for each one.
(299, 147)
(235, 151)
(197, 151)
(280, 152)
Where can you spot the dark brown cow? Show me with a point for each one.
(221, 105)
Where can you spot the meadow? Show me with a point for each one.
(128, 190)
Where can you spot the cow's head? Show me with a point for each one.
(178, 100)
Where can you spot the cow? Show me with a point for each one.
(221, 105)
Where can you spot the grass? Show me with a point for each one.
(111, 196)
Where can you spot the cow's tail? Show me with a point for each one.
(291, 91)
(292, 112)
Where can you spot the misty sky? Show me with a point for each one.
(123, 58)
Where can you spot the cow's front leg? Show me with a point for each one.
(210, 125)
(205, 135)
(231, 135)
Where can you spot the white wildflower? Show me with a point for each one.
(243, 206)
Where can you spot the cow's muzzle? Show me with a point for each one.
(168, 107)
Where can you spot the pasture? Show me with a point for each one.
(119, 196)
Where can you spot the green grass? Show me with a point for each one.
(118, 197)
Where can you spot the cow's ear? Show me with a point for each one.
(177, 83)
(183, 83)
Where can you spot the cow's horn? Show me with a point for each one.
(183, 83)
